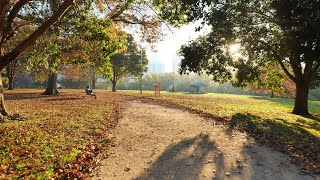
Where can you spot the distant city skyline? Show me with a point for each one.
(165, 59)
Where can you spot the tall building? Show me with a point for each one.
(156, 68)
(175, 63)
(156, 63)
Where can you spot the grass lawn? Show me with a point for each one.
(269, 120)
(60, 136)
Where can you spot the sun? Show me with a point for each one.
(234, 48)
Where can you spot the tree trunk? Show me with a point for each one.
(52, 85)
(10, 75)
(301, 100)
(272, 94)
(140, 84)
(3, 110)
(114, 76)
(10, 83)
(93, 82)
(114, 83)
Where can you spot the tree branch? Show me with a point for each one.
(126, 21)
(121, 10)
(4, 5)
(36, 20)
(9, 36)
(120, 73)
(308, 69)
(263, 16)
(278, 59)
(315, 69)
(15, 10)
(36, 34)
(7, 30)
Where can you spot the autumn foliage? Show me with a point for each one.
(56, 136)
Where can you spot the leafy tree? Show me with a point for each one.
(281, 31)
(92, 41)
(14, 11)
(13, 68)
(47, 57)
(73, 78)
(102, 40)
(271, 81)
(43, 14)
(132, 62)
(18, 65)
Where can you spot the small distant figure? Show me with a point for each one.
(157, 90)
(89, 92)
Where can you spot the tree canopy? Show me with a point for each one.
(61, 16)
(132, 62)
(278, 31)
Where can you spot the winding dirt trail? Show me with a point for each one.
(155, 142)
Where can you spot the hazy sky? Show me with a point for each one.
(166, 50)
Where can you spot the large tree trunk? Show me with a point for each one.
(52, 85)
(301, 100)
(3, 110)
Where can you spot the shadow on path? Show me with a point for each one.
(291, 138)
(184, 160)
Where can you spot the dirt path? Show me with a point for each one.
(154, 142)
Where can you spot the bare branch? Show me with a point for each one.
(127, 21)
(121, 10)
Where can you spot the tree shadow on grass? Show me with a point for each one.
(24, 96)
(36, 95)
(313, 117)
(184, 160)
(65, 99)
(283, 101)
(282, 135)
(288, 102)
